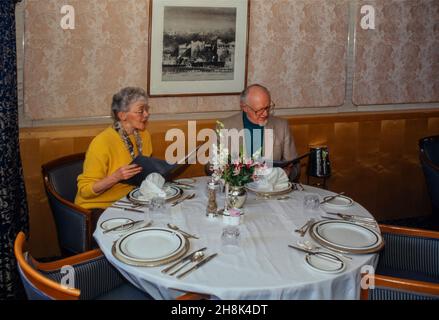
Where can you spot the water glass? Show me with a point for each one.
(311, 202)
(157, 202)
(230, 237)
(157, 206)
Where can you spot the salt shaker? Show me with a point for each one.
(212, 206)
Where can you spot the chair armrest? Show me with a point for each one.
(73, 260)
(193, 296)
(385, 228)
(93, 274)
(392, 288)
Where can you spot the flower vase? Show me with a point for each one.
(236, 196)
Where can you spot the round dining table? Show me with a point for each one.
(260, 266)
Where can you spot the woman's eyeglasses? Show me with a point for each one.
(260, 112)
(141, 112)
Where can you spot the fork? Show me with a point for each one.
(189, 196)
(302, 230)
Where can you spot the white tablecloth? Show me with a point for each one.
(263, 267)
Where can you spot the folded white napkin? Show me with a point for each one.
(152, 187)
(273, 179)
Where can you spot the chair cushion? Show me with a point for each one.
(391, 294)
(125, 292)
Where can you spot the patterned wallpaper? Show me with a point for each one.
(298, 48)
(398, 62)
(73, 73)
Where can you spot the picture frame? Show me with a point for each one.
(197, 47)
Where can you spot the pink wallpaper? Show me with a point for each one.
(398, 62)
(73, 73)
(297, 48)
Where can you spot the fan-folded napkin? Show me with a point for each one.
(152, 186)
(273, 179)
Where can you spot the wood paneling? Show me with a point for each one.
(374, 159)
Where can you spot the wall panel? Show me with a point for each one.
(374, 160)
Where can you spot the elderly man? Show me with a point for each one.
(257, 118)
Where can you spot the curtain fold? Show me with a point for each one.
(13, 205)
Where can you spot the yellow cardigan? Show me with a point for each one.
(106, 154)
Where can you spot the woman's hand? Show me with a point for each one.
(126, 172)
(123, 173)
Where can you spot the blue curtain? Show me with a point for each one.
(13, 205)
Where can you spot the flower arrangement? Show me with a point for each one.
(237, 171)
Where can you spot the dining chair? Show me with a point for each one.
(429, 158)
(92, 276)
(408, 267)
(73, 223)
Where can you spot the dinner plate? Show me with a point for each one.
(150, 246)
(111, 223)
(253, 186)
(172, 193)
(321, 264)
(346, 236)
(338, 202)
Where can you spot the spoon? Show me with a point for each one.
(174, 227)
(196, 257)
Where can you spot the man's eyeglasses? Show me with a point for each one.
(260, 112)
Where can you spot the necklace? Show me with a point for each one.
(126, 140)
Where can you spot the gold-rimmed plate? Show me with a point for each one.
(346, 236)
(266, 193)
(150, 247)
(172, 193)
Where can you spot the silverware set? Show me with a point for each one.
(309, 246)
(126, 209)
(323, 255)
(197, 258)
(132, 223)
(365, 221)
(186, 234)
(185, 197)
(331, 198)
(303, 229)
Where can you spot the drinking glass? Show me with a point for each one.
(311, 202)
(230, 238)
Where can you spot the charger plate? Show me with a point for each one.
(172, 193)
(264, 192)
(150, 247)
(346, 236)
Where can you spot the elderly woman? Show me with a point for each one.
(108, 158)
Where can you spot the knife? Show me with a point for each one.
(182, 184)
(127, 209)
(199, 264)
(324, 255)
(188, 257)
(180, 200)
(123, 225)
(333, 197)
(351, 216)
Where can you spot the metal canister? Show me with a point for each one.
(319, 165)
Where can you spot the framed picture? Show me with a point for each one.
(197, 47)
